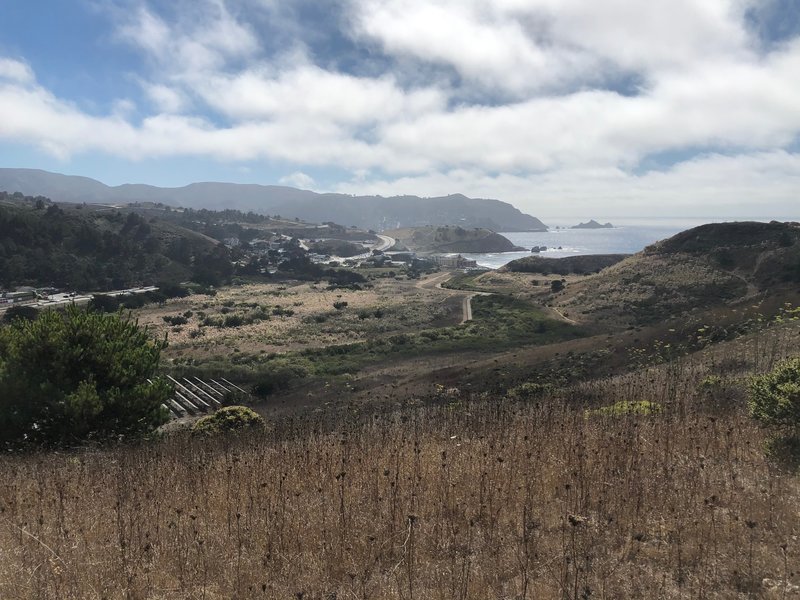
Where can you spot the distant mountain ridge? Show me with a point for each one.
(368, 212)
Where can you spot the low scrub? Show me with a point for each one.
(228, 419)
(775, 396)
(490, 499)
(626, 407)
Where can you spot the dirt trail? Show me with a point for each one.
(436, 282)
(562, 316)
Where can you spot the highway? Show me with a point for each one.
(64, 299)
(386, 242)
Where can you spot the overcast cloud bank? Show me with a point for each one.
(559, 106)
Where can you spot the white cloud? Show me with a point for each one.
(553, 129)
(309, 92)
(147, 31)
(526, 45)
(311, 116)
(166, 99)
(481, 43)
(729, 105)
(205, 39)
(756, 185)
(15, 70)
(298, 179)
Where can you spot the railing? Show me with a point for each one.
(195, 396)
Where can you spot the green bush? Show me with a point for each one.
(230, 418)
(775, 397)
(26, 313)
(626, 407)
(104, 303)
(73, 375)
(233, 321)
(176, 320)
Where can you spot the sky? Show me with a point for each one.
(586, 108)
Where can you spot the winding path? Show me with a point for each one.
(563, 317)
(437, 281)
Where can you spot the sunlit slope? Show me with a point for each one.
(696, 270)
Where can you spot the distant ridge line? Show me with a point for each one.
(368, 212)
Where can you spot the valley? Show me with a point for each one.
(399, 300)
(554, 427)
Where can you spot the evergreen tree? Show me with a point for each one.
(75, 375)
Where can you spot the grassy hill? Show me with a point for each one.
(698, 269)
(451, 239)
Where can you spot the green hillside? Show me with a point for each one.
(86, 248)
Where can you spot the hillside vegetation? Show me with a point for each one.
(543, 493)
(451, 239)
(87, 249)
(630, 433)
(712, 265)
(569, 265)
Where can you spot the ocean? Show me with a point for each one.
(625, 238)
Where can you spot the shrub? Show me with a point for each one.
(278, 375)
(73, 375)
(626, 407)
(173, 290)
(340, 305)
(26, 313)
(176, 320)
(104, 303)
(233, 321)
(133, 301)
(775, 396)
(230, 418)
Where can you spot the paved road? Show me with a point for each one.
(467, 309)
(66, 299)
(435, 281)
(386, 242)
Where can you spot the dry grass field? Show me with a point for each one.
(483, 497)
(299, 316)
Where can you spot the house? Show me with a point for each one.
(453, 262)
(23, 294)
